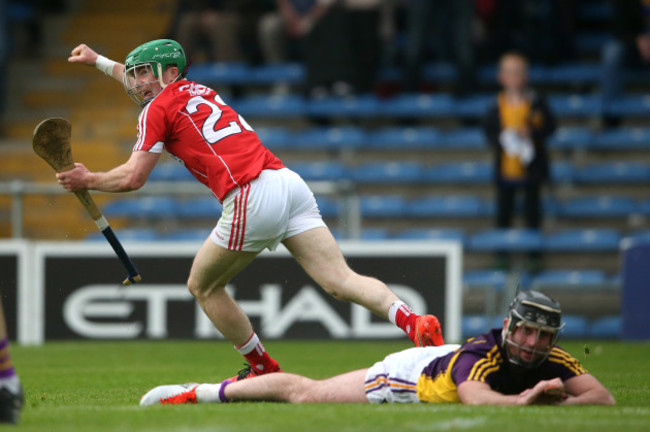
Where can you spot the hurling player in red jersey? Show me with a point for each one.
(264, 203)
(518, 364)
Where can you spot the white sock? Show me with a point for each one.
(211, 393)
(250, 345)
(12, 383)
(392, 311)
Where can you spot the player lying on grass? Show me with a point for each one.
(518, 364)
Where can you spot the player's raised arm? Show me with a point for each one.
(85, 55)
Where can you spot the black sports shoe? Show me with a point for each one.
(249, 371)
(246, 372)
(10, 405)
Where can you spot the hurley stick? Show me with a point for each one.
(51, 141)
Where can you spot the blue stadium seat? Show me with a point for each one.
(568, 278)
(470, 138)
(189, 234)
(640, 236)
(625, 138)
(583, 240)
(644, 207)
(464, 172)
(199, 208)
(271, 106)
(330, 138)
(575, 74)
(329, 207)
(575, 326)
(614, 173)
(473, 325)
(495, 279)
(391, 172)
(571, 138)
(513, 240)
(215, 73)
(439, 72)
(597, 206)
(402, 138)
(170, 171)
(562, 172)
(418, 106)
(381, 206)
(453, 234)
(632, 105)
(474, 106)
(608, 327)
(331, 170)
(363, 106)
(575, 105)
(446, 206)
(276, 138)
(289, 73)
(148, 207)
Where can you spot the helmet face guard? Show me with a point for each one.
(532, 311)
(142, 84)
(145, 65)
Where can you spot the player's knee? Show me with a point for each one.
(201, 290)
(303, 391)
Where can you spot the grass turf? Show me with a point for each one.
(83, 386)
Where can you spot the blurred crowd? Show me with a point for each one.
(344, 45)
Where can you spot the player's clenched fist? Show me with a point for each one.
(83, 54)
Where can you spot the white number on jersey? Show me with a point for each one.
(210, 134)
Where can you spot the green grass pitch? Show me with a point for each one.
(96, 386)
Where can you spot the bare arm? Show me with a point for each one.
(549, 392)
(85, 55)
(580, 390)
(587, 390)
(129, 176)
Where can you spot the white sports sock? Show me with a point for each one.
(250, 345)
(12, 383)
(211, 393)
(392, 311)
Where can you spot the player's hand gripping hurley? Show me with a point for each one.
(51, 141)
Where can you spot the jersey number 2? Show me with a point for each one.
(208, 130)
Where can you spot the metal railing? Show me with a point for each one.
(349, 219)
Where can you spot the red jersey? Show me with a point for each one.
(198, 129)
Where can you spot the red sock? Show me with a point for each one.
(405, 319)
(259, 359)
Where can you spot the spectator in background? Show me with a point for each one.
(217, 30)
(448, 29)
(628, 48)
(283, 32)
(517, 126)
(343, 48)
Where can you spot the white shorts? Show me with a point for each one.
(394, 379)
(276, 205)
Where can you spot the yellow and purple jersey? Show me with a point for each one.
(483, 359)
